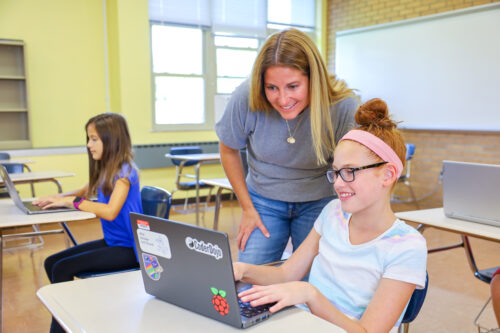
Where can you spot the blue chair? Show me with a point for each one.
(156, 202)
(180, 183)
(13, 168)
(405, 178)
(414, 306)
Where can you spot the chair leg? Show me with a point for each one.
(476, 320)
(404, 328)
(413, 197)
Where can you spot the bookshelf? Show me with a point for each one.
(14, 108)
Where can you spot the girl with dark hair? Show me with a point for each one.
(114, 179)
(363, 262)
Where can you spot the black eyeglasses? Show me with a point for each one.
(348, 174)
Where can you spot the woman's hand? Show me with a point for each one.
(54, 201)
(238, 270)
(250, 219)
(283, 294)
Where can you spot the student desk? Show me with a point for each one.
(118, 303)
(435, 218)
(17, 161)
(38, 177)
(221, 184)
(11, 216)
(201, 158)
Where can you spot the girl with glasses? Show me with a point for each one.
(363, 262)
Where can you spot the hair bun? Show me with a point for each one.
(374, 113)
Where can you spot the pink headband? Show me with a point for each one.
(379, 147)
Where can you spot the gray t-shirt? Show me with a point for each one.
(276, 169)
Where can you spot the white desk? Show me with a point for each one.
(38, 177)
(201, 158)
(118, 303)
(435, 218)
(11, 216)
(17, 161)
(221, 184)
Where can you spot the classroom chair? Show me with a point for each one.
(13, 168)
(414, 306)
(484, 275)
(180, 183)
(405, 178)
(156, 201)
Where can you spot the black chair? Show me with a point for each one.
(156, 202)
(414, 306)
(180, 183)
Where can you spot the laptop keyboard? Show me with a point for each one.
(249, 311)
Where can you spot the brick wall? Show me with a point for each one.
(431, 146)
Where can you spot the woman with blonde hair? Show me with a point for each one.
(289, 116)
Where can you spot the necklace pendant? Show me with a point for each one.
(290, 140)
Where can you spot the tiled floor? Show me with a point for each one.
(453, 300)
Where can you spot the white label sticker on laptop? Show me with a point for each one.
(154, 242)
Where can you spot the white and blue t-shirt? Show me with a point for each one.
(348, 275)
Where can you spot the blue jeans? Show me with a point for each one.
(282, 219)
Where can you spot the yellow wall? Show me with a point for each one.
(66, 44)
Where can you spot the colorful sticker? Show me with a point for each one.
(141, 224)
(219, 301)
(152, 266)
(154, 242)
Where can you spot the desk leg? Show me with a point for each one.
(217, 207)
(197, 170)
(68, 232)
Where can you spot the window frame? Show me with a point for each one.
(208, 65)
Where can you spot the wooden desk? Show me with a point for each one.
(11, 216)
(118, 303)
(201, 158)
(38, 177)
(221, 184)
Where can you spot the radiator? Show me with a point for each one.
(153, 156)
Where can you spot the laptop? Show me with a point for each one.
(191, 267)
(471, 191)
(25, 205)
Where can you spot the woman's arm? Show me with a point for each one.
(107, 211)
(295, 268)
(250, 219)
(44, 201)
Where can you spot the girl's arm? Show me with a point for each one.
(43, 202)
(107, 211)
(381, 315)
(295, 268)
(250, 219)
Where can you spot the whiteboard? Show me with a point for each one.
(437, 72)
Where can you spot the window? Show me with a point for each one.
(179, 78)
(202, 50)
(234, 57)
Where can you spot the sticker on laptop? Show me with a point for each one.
(219, 301)
(152, 266)
(206, 248)
(141, 224)
(154, 242)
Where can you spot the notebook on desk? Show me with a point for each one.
(191, 267)
(471, 191)
(25, 205)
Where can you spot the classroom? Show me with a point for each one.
(64, 62)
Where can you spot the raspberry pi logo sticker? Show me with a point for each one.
(152, 266)
(219, 301)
